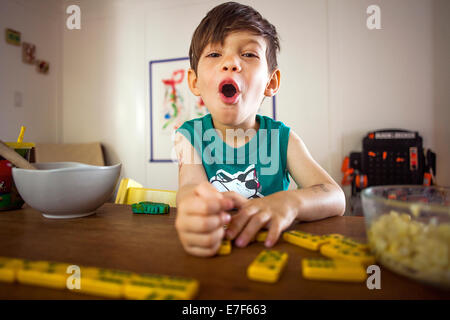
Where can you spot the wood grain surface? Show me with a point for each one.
(116, 238)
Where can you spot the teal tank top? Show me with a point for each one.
(254, 170)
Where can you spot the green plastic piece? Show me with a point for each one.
(150, 207)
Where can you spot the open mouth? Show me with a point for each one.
(229, 91)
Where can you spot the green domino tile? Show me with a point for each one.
(137, 208)
(150, 207)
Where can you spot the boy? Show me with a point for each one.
(233, 67)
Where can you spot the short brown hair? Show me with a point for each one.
(230, 17)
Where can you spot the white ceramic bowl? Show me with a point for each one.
(65, 190)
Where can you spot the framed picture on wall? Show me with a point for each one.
(172, 103)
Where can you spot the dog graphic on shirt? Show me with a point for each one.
(243, 182)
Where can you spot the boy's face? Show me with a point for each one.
(234, 78)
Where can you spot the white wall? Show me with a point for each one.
(441, 85)
(105, 83)
(380, 78)
(39, 22)
(339, 79)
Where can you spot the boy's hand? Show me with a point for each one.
(276, 212)
(201, 216)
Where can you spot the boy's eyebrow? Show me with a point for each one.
(252, 41)
(249, 41)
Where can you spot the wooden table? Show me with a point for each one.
(116, 238)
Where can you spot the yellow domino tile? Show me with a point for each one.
(93, 272)
(7, 274)
(102, 286)
(300, 233)
(261, 236)
(157, 296)
(333, 270)
(353, 244)
(15, 263)
(267, 266)
(225, 247)
(109, 283)
(303, 240)
(145, 290)
(144, 284)
(9, 268)
(333, 237)
(43, 273)
(337, 251)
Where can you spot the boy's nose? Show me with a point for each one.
(231, 65)
(232, 68)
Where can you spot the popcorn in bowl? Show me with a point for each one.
(410, 238)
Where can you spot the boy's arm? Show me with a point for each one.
(201, 209)
(320, 196)
(190, 169)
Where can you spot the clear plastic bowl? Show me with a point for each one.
(408, 228)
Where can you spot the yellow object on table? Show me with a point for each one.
(334, 270)
(101, 282)
(267, 266)
(339, 251)
(261, 236)
(9, 268)
(225, 247)
(43, 273)
(156, 287)
(304, 240)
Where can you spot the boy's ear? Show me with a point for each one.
(192, 81)
(274, 84)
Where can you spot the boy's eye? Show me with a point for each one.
(250, 55)
(213, 55)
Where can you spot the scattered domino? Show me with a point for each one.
(341, 251)
(225, 247)
(335, 270)
(304, 240)
(103, 286)
(43, 273)
(9, 268)
(267, 266)
(353, 244)
(98, 281)
(92, 272)
(332, 237)
(151, 287)
(150, 207)
(261, 236)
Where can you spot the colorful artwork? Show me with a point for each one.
(176, 107)
(173, 108)
(172, 103)
(42, 66)
(12, 37)
(28, 53)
